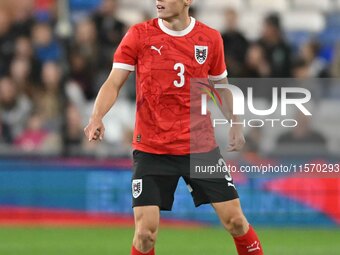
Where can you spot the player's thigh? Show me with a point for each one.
(157, 190)
(211, 190)
(207, 190)
(146, 218)
(154, 180)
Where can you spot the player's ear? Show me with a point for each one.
(187, 2)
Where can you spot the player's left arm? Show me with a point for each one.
(236, 137)
(218, 75)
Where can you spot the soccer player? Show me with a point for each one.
(166, 53)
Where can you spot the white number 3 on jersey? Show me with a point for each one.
(181, 68)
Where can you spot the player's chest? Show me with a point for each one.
(164, 52)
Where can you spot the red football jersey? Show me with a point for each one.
(165, 61)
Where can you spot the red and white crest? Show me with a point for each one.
(201, 54)
(137, 187)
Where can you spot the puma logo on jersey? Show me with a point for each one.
(158, 50)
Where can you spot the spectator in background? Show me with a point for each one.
(49, 100)
(85, 43)
(23, 18)
(253, 138)
(37, 139)
(301, 71)
(277, 51)
(24, 49)
(235, 45)
(6, 40)
(14, 109)
(45, 45)
(20, 72)
(45, 9)
(110, 30)
(81, 74)
(73, 133)
(256, 65)
(26, 46)
(317, 67)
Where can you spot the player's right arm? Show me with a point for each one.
(106, 97)
(124, 62)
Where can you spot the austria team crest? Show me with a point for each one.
(201, 54)
(136, 187)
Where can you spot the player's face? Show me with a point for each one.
(171, 8)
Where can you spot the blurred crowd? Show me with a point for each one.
(271, 55)
(48, 80)
(52, 66)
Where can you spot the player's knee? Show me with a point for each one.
(146, 236)
(236, 224)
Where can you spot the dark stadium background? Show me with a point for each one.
(61, 194)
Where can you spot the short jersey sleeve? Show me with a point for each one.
(218, 70)
(125, 56)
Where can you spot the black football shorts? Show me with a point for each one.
(155, 178)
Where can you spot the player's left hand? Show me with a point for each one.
(236, 138)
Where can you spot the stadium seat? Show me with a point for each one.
(83, 5)
(310, 21)
(269, 6)
(297, 38)
(329, 36)
(271, 134)
(118, 120)
(130, 16)
(145, 6)
(333, 20)
(215, 21)
(129, 3)
(196, 4)
(220, 4)
(326, 120)
(317, 5)
(251, 24)
(326, 115)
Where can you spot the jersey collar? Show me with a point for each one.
(177, 33)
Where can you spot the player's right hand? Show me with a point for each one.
(95, 129)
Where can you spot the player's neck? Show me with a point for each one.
(178, 23)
